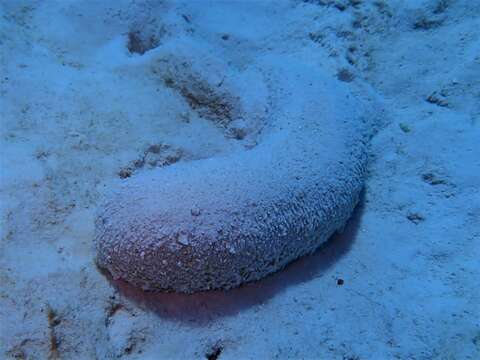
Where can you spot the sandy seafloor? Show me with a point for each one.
(77, 108)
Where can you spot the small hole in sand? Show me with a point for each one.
(214, 353)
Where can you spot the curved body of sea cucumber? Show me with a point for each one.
(219, 222)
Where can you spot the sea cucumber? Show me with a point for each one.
(220, 222)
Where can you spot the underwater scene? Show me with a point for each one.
(240, 179)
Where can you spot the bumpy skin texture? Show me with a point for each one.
(219, 222)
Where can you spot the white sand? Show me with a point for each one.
(76, 108)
